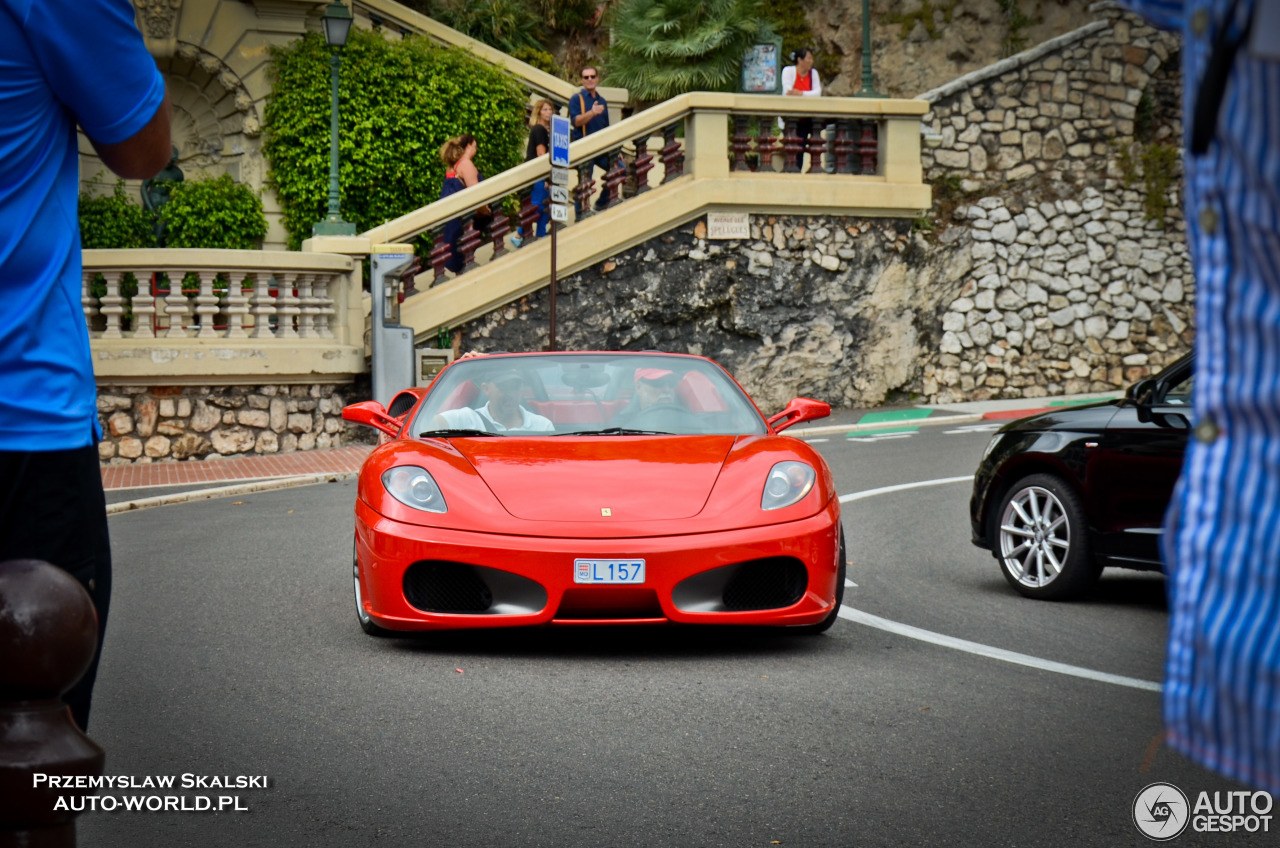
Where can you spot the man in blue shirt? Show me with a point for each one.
(589, 113)
(1221, 545)
(62, 63)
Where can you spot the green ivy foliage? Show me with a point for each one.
(114, 221)
(662, 48)
(219, 213)
(400, 101)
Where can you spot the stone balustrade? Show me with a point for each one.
(192, 317)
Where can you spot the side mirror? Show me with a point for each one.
(371, 413)
(1140, 395)
(800, 409)
(1139, 391)
(1171, 420)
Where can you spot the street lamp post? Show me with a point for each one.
(868, 85)
(337, 25)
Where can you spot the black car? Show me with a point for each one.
(1063, 494)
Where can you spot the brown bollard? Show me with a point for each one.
(48, 633)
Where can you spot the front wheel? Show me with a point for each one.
(1041, 541)
(366, 623)
(825, 625)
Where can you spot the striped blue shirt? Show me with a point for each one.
(1222, 534)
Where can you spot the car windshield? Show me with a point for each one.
(585, 394)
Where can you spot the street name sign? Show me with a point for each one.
(560, 141)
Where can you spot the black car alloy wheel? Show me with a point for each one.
(1040, 539)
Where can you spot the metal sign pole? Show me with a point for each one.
(559, 196)
(554, 227)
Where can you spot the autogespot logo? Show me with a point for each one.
(1161, 812)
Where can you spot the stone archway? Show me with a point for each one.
(216, 125)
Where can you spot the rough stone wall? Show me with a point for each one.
(1074, 286)
(1044, 276)
(916, 46)
(166, 424)
(832, 308)
(1058, 111)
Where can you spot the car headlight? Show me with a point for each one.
(414, 487)
(786, 484)
(991, 445)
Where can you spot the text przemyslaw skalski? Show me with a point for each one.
(158, 781)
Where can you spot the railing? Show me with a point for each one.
(863, 158)
(170, 315)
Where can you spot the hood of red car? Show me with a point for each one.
(600, 478)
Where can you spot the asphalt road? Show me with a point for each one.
(233, 650)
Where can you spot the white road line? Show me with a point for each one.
(866, 618)
(880, 438)
(907, 630)
(816, 441)
(871, 493)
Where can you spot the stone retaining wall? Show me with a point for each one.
(164, 424)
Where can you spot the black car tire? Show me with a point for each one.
(366, 623)
(1040, 523)
(825, 625)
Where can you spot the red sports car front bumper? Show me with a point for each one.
(531, 579)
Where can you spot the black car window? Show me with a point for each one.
(1180, 393)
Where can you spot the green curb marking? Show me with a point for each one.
(1075, 402)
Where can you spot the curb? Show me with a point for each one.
(224, 491)
(827, 429)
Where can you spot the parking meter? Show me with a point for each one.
(391, 344)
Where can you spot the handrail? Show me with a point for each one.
(648, 122)
(538, 80)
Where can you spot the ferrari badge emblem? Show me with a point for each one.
(605, 512)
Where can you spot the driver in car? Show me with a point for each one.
(502, 413)
(655, 387)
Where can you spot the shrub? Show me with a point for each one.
(505, 24)
(662, 48)
(114, 221)
(786, 19)
(540, 59)
(399, 102)
(213, 213)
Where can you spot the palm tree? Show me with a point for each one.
(661, 48)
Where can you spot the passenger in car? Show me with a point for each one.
(502, 413)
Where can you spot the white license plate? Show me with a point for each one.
(608, 571)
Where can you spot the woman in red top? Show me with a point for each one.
(801, 80)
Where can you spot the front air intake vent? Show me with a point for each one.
(763, 584)
(436, 586)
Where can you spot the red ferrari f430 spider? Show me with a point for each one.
(592, 488)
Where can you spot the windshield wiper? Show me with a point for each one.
(617, 431)
(458, 433)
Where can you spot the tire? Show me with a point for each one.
(1041, 541)
(366, 623)
(825, 625)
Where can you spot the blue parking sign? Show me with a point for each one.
(560, 141)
